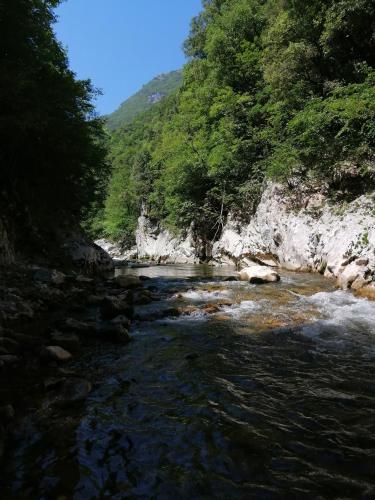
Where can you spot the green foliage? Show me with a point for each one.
(160, 87)
(52, 155)
(273, 88)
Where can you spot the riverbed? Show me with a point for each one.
(249, 391)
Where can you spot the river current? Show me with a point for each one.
(251, 391)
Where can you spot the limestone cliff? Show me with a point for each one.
(301, 233)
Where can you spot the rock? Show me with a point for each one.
(27, 341)
(86, 255)
(114, 332)
(211, 308)
(8, 359)
(74, 391)
(84, 279)
(367, 291)
(10, 345)
(94, 300)
(76, 325)
(68, 341)
(128, 281)
(231, 278)
(157, 243)
(2, 442)
(53, 382)
(112, 307)
(121, 320)
(191, 356)
(49, 276)
(301, 239)
(56, 353)
(7, 413)
(349, 274)
(259, 274)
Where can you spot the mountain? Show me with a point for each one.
(151, 93)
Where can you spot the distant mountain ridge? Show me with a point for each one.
(154, 91)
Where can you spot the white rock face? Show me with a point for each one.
(159, 244)
(259, 274)
(338, 242)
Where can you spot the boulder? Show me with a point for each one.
(56, 353)
(259, 274)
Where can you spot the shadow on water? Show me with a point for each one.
(211, 406)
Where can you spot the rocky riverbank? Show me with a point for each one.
(48, 319)
(299, 230)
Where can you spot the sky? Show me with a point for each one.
(122, 44)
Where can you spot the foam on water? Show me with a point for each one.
(205, 295)
(243, 308)
(346, 318)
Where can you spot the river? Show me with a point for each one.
(254, 391)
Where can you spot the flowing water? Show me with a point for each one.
(251, 391)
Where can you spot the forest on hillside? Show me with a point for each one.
(273, 89)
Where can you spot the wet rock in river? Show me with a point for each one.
(259, 274)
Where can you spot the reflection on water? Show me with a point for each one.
(267, 393)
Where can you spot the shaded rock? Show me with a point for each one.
(94, 300)
(27, 341)
(191, 356)
(74, 391)
(121, 320)
(68, 341)
(55, 353)
(87, 255)
(112, 307)
(76, 325)
(7, 413)
(53, 383)
(128, 281)
(10, 345)
(259, 274)
(114, 332)
(8, 359)
(49, 276)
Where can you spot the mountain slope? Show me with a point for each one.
(161, 86)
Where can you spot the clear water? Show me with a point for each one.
(268, 395)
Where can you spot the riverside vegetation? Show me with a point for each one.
(273, 90)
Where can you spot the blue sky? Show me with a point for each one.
(122, 44)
